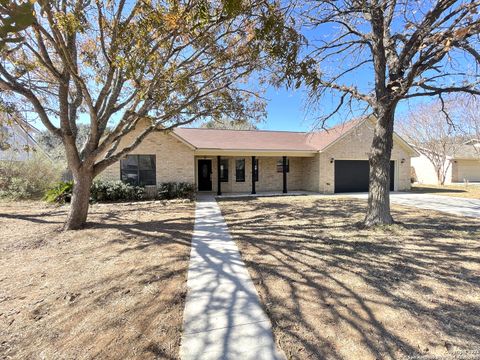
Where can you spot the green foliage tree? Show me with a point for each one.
(119, 63)
(407, 49)
(14, 18)
(229, 125)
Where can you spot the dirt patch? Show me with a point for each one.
(115, 289)
(333, 291)
(471, 191)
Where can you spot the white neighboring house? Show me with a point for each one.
(17, 142)
(462, 166)
(424, 172)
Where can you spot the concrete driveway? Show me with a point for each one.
(448, 204)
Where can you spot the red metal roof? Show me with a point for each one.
(262, 140)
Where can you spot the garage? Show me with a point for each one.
(353, 175)
(468, 170)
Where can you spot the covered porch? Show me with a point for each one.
(256, 172)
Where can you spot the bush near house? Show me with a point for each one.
(29, 179)
(60, 193)
(176, 190)
(112, 191)
(101, 191)
(115, 191)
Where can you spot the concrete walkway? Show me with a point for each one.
(448, 204)
(223, 318)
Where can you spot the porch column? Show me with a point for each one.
(284, 174)
(219, 183)
(253, 175)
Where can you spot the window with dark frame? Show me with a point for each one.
(255, 174)
(224, 170)
(138, 170)
(240, 170)
(280, 166)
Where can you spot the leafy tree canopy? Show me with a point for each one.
(158, 63)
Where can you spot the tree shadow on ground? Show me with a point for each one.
(433, 190)
(115, 289)
(333, 290)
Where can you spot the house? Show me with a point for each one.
(462, 165)
(17, 141)
(252, 161)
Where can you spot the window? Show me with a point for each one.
(255, 172)
(138, 170)
(240, 170)
(224, 170)
(280, 165)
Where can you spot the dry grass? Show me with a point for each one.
(334, 291)
(113, 290)
(472, 191)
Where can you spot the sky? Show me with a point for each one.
(286, 111)
(286, 108)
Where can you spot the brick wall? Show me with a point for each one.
(356, 146)
(174, 159)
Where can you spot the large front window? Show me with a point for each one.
(224, 170)
(240, 170)
(138, 170)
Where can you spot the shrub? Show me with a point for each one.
(27, 179)
(60, 193)
(173, 190)
(99, 192)
(115, 191)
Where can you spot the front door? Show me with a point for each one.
(204, 175)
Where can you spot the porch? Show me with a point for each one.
(236, 174)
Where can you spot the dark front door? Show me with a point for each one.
(353, 175)
(204, 175)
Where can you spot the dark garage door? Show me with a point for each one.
(352, 175)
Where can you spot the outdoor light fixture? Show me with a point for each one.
(332, 160)
(403, 161)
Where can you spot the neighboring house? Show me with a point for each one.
(254, 160)
(463, 165)
(17, 141)
(423, 171)
(466, 162)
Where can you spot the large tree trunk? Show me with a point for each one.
(378, 211)
(77, 217)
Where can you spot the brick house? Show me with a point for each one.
(253, 161)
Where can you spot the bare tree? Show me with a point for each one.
(408, 49)
(118, 63)
(433, 135)
(468, 110)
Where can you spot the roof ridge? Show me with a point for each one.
(252, 130)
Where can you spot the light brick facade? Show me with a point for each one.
(177, 161)
(355, 145)
(174, 159)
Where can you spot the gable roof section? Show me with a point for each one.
(325, 138)
(467, 152)
(265, 140)
(245, 139)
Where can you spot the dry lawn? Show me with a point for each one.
(472, 191)
(114, 290)
(334, 291)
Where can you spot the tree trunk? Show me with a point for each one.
(378, 211)
(77, 217)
